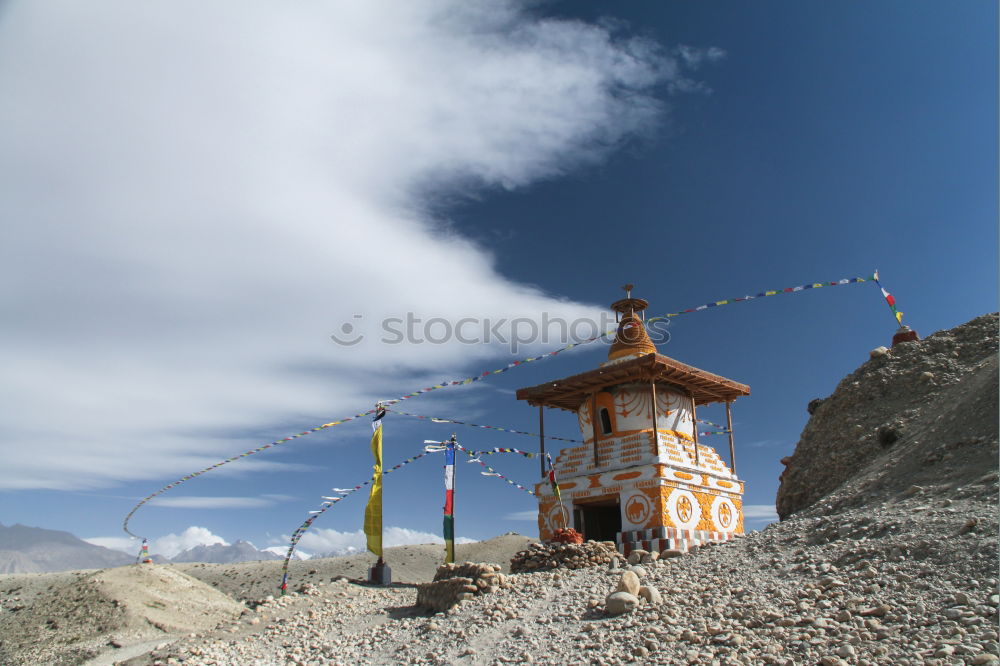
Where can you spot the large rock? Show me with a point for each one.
(887, 427)
(620, 602)
(629, 583)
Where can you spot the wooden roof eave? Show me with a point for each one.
(703, 386)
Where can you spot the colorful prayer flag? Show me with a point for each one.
(890, 300)
(373, 512)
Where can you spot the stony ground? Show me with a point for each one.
(895, 563)
(911, 581)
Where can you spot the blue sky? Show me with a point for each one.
(187, 228)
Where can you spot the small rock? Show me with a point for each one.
(651, 594)
(636, 556)
(877, 611)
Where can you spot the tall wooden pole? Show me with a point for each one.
(541, 438)
(729, 426)
(694, 429)
(593, 425)
(656, 428)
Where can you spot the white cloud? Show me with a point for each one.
(531, 514)
(694, 56)
(196, 195)
(333, 542)
(168, 545)
(172, 544)
(124, 544)
(760, 512)
(212, 502)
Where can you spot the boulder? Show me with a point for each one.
(629, 583)
(618, 603)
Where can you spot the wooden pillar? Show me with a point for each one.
(541, 438)
(656, 428)
(593, 425)
(729, 426)
(694, 429)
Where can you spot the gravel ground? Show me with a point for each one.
(904, 582)
(895, 562)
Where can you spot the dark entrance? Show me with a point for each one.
(598, 521)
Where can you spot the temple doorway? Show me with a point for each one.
(600, 520)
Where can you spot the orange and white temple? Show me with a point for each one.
(641, 478)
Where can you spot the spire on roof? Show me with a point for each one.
(631, 339)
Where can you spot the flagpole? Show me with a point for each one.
(449, 501)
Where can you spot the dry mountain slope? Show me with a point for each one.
(923, 414)
(33, 549)
(78, 615)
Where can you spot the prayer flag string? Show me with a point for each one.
(480, 377)
(437, 419)
(492, 472)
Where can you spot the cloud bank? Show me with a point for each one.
(329, 542)
(168, 545)
(196, 195)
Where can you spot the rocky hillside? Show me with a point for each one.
(920, 414)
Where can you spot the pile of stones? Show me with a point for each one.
(455, 583)
(630, 592)
(544, 556)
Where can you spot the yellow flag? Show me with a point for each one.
(373, 512)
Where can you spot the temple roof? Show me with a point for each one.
(570, 392)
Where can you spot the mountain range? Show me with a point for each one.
(26, 549)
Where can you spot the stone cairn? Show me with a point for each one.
(543, 556)
(630, 592)
(455, 583)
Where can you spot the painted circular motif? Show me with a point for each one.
(556, 517)
(684, 509)
(725, 516)
(637, 509)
